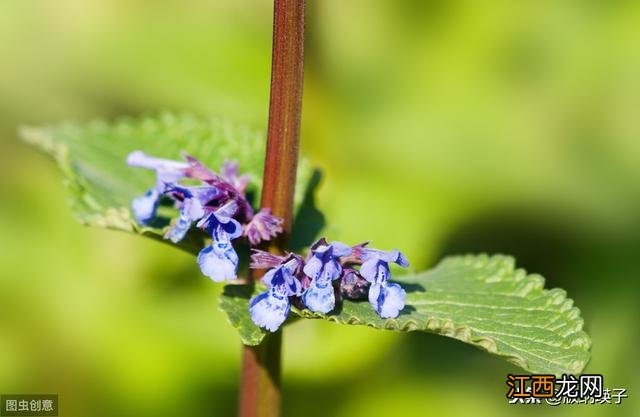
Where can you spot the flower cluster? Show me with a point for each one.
(218, 204)
(311, 281)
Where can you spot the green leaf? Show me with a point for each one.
(486, 302)
(234, 301)
(92, 157)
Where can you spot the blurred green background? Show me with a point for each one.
(442, 126)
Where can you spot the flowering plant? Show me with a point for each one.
(481, 300)
(220, 207)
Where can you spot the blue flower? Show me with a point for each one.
(386, 298)
(219, 260)
(323, 267)
(375, 267)
(271, 308)
(196, 202)
(167, 171)
(193, 201)
(144, 207)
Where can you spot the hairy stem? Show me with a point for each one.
(260, 379)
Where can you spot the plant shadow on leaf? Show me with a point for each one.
(309, 221)
(407, 310)
(412, 287)
(159, 222)
(165, 212)
(242, 291)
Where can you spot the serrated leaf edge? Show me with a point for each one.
(557, 296)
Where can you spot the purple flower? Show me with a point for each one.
(197, 170)
(266, 260)
(198, 202)
(230, 174)
(323, 267)
(219, 206)
(271, 308)
(167, 171)
(229, 184)
(219, 260)
(263, 226)
(386, 298)
(192, 201)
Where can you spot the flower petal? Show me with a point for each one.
(394, 256)
(323, 265)
(387, 299)
(179, 229)
(319, 297)
(144, 207)
(220, 225)
(230, 171)
(226, 212)
(219, 261)
(191, 210)
(166, 169)
(331, 271)
(401, 260)
(282, 277)
(269, 309)
(232, 228)
(270, 279)
(340, 249)
(313, 267)
(263, 260)
(196, 169)
(375, 270)
(294, 286)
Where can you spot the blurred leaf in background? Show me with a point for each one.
(491, 126)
